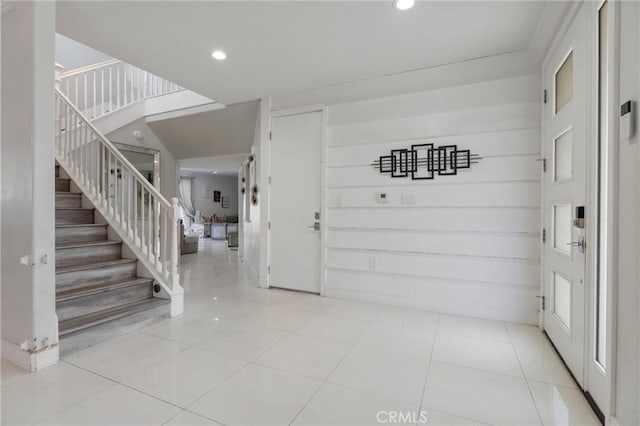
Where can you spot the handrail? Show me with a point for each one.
(100, 89)
(114, 151)
(143, 218)
(80, 70)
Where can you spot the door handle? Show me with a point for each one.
(315, 226)
(581, 244)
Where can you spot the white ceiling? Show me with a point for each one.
(222, 164)
(283, 47)
(213, 133)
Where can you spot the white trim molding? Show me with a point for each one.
(30, 360)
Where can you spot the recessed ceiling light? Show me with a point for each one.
(219, 55)
(403, 4)
(215, 173)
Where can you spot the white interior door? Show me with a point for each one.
(294, 198)
(564, 193)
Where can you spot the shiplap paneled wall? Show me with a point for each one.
(466, 244)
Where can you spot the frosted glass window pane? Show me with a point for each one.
(564, 83)
(562, 227)
(562, 299)
(563, 164)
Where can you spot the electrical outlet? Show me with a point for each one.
(408, 199)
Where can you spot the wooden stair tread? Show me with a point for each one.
(78, 225)
(95, 318)
(94, 265)
(75, 291)
(67, 193)
(87, 244)
(75, 208)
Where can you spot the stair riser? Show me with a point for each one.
(83, 255)
(62, 185)
(81, 234)
(97, 275)
(74, 217)
(96, 302)
(68, 201)
(112, 326)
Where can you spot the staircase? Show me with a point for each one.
(116, 234)
(95, 284)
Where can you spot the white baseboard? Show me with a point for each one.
(30, 361)
(612, 422)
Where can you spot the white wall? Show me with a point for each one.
(465, 244)
(29, 321)
(250, 244)
(72, 54)
(627, 407)
(205, 184)
(168, 164)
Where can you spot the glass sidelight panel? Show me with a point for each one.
(562, 228)
(564, 83)
(603, 189)
(562, 299)
(562, 156)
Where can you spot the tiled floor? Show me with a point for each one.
(243, 356)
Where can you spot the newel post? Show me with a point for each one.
(177, 298)
(58, 75)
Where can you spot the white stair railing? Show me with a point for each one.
(108, 86)
(136, 210)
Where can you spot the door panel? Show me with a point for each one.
(295, 156)
(565, 142)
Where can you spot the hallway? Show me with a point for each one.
(241, 355)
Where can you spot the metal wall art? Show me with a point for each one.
(425, 161)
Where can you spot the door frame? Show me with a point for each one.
(322, 109)
(591, 206)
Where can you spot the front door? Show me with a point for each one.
(294, 198)
(564, 189)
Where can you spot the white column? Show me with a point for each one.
(29, 321)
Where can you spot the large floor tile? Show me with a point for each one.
(10, 373)
(337, 405)
(257, 396)
(338, 328)
(560, 406)
(424, 321)
(221, 308)
(308, 356)
(390, 372)
(528, 335)
(116, 405)
(494, 357)
(437, 418)
(310, 302)
(478, 395)
(122, 357)
(41, 394)
(382, 336)
(543, 365)
(453, 325)
(186, 418)
(356, 310)
(257, 295)
(185, 377)
(188, 328)
(242, 341)
(280, 318)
